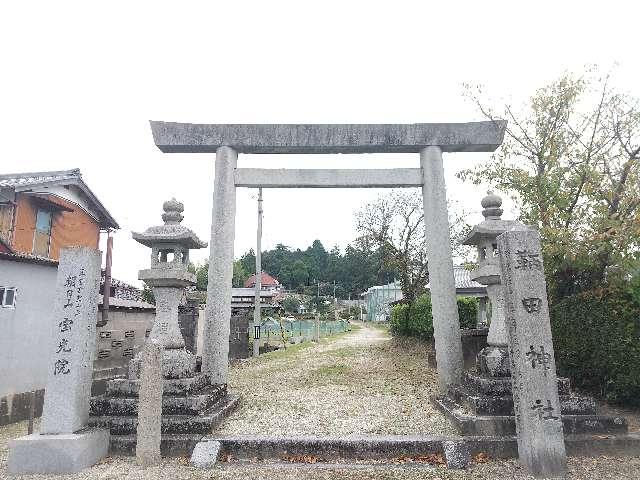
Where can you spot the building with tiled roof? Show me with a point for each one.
(41, 212)
(267, 282)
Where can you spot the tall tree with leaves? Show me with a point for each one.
(570, 160)
(394, 225)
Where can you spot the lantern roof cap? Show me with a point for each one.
(493, 225)
(171, 231)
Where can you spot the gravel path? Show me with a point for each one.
(361, 382)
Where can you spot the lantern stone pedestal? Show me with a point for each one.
(191, 405)
(482, 404)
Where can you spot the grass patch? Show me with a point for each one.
(328, 374)
(290, 351)
(384, 326)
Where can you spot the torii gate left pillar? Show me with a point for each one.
(430, 140)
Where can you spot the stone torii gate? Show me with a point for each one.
(430, 140)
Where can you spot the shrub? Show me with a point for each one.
(596, 335)
(416, 319)
(468, 312)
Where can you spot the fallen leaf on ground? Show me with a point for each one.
(481, 458)
(300, 458)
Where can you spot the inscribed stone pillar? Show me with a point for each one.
(446, 325)
(215, 358)
(72, 349)
(533, 370)
(150, 405)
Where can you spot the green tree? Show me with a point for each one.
(240, 275)
(299, 274)
(291, 304)
(147, 294)
(393, 226)
(571, 161)
(202, 276)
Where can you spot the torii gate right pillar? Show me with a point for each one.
(446, 325)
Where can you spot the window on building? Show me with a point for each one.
(7, 297)
(6, 219)
(42, 234)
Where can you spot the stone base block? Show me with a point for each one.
(62, 453)
(176, 364)
(205, 454)
(500, 386)
(457, 454)
(180, 433)
(494, 362)
(122, 387)
(468, 423)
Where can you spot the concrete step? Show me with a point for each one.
(171, 445)
(122, 387)
(504, 425)
(171, 405)
(383, 448)
(501, 386)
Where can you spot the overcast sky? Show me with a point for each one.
(79, 82)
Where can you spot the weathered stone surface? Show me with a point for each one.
(173, 137)
(499, 425)
(121, 387)
(502, 386)
(73, 324)
(215, 357)
(150, 405)
(205, 455)
(192, 404)
(61, 453)
(165, 328)
(446, 325)
(394, 446)
(533, 369)
(456, 453)
(324, 178)
(493, 361)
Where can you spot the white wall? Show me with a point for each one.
(26, 330)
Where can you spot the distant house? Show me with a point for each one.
(267, 282)
(243, 299)
(40, 212)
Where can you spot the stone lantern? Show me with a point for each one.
(494, 359)
(168, 277)
(191, 404)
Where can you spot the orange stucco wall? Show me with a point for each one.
(68, 229)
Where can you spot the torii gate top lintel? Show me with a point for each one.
(172, 137)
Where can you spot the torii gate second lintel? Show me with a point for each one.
(429, 139)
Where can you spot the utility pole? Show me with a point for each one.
(258, 283)
(335, 301)
(106, 289)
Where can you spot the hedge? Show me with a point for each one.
(416, 320)
(596, 338)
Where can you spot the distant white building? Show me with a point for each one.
(378, 299)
